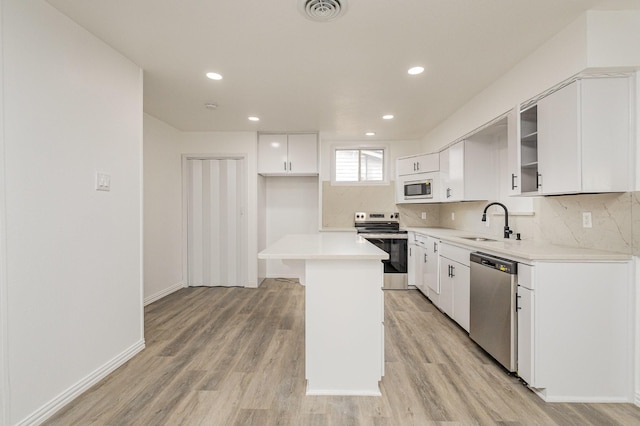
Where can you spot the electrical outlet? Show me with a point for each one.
(586, 220)
(424, 215)
(453, 215)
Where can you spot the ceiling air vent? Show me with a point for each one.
(322, 10)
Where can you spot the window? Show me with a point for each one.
(361, 165)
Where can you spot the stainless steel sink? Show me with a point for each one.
(478, 239)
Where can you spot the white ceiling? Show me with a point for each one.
(338, 77)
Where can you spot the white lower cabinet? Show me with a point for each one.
(525, 307)
(422, 268)
(420, 262)
(455, 283)
(411, 259)
(574, 330)
(431, 273)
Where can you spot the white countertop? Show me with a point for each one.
(523, 249)
(323, 246)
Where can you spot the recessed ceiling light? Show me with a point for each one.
(210, 105)
(387, 117)
(214, 76)
(254, 118)
(370, 134)
(416, 70)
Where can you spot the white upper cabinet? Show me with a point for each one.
(303, 153)
(293, 154)
(417, 164)
(452, 172)
(577, 139)
(272, 154)
(523, 151)
(559, 143)
(467, 172)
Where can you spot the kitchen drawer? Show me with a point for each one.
(459, 254)
(421, 240)
(525, 275)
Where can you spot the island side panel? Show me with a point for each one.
(344, 327)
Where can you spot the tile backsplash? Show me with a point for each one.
(340, 202)
(467, 216)
(557, 219)
(411, 215)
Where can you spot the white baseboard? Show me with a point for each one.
(542, 393)
(53, 406)
(167, 291)
(298, 278)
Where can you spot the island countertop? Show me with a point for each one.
(323, 246)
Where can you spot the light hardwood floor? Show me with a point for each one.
(231, 356)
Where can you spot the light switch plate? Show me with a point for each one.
(103, 182)
(586, 220)
(423, 215)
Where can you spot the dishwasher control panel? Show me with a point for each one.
(494, 262)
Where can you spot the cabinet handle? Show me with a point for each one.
(518, 307)
(435, 247)
(538, 180)
(285, 166)
(513, 181)
(290, 166)
(409, 251)
(425, 258)
(414, 166)
(418, 166)
(453, 270)
(448, 192)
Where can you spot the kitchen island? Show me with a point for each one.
(344, 310)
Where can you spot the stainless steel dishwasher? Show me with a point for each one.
(493, 307)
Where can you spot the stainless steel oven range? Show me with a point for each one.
(383, 230)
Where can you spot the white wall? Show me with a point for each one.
(4, 306)
(559, 58)
(233, 143)
(72, 107)
(162, 209)
(613, 38)
(291, 208)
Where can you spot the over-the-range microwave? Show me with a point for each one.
(415, 189)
